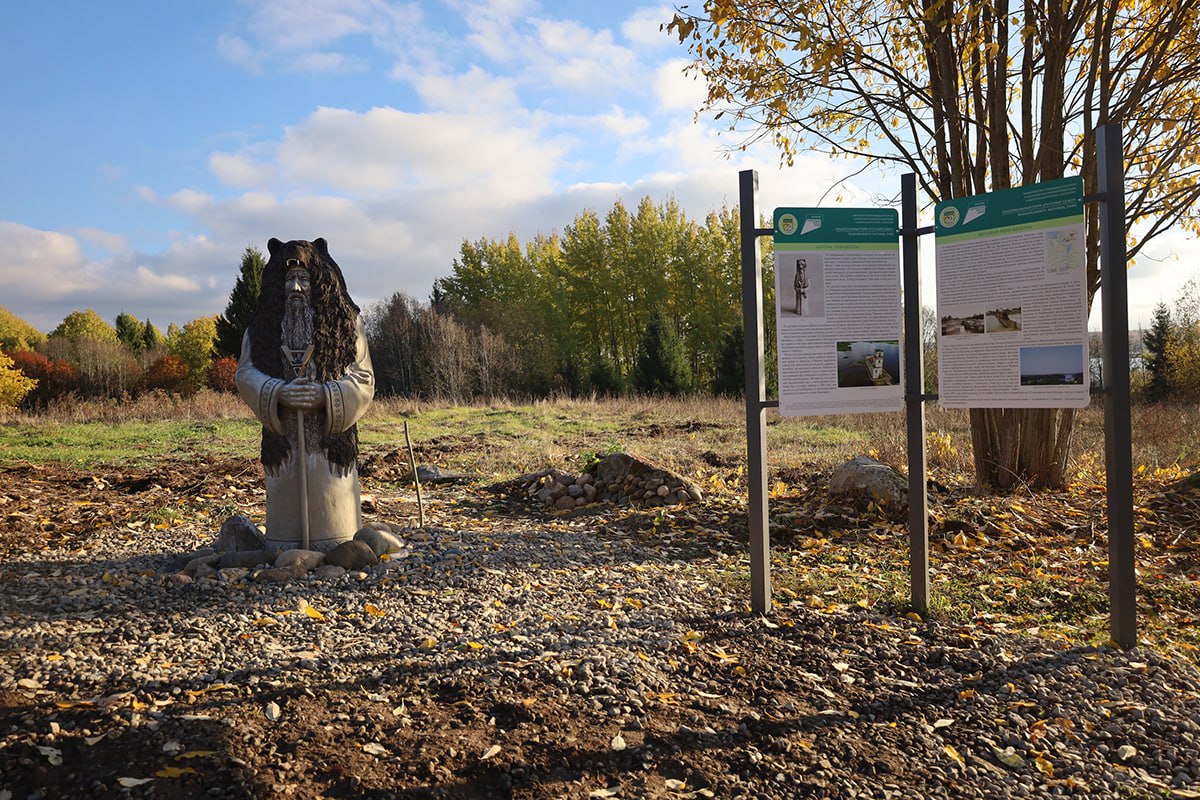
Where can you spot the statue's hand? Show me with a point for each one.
(303, 394)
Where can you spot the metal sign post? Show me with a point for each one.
(914, 400)
(1118, 432)
(756, 400)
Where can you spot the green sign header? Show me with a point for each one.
(1012, 210)
(836, 228)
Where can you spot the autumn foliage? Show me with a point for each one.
(168, 373)
(222, 373)
(54, 377)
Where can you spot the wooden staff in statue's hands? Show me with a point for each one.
(302, 394)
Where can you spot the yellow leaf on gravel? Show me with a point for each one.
(1044, 766)
(1008, 757)
(950, 751)
(374, 611)
(195, 754)
(314, 613)
(175, 772)
(428, 643)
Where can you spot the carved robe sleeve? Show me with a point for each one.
(259, 390)
(347, 398)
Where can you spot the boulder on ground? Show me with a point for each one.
(239, 533)
(380, 541)
(301, 560)
(863, 479)
(202, 563)
(245, 558)
(352, 555)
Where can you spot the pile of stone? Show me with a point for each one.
(240, 552)
(619, 478)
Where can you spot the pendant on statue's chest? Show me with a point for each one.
(297, 360)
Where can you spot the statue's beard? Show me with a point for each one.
(296, 333)
(297, 325)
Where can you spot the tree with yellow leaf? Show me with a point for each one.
(14, 384)
(973, 96)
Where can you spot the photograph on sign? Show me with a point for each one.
(1012, 298)
(838, 312)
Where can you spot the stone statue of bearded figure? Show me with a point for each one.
(306, 373)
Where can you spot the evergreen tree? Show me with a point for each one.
(1155, 346)
(661, 366)
(131, 332)
(605, 378)
(152, 338)
(243, 300)
(731, 364)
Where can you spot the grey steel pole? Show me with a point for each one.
(1118, 431)
(914, 404)
(756, 389)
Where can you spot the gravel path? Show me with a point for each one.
(518, 662)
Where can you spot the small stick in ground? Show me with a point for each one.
(412, 465)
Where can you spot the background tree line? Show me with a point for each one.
(647, 301)
(87, 357)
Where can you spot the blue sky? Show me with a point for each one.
(145, 145)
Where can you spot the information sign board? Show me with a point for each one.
(1012, 298)
(837, 305)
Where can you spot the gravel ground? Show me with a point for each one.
(533, 663)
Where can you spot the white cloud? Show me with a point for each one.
(384, 150)
(493, 27)
(676, 91)
(189, 200)
(240, 170)
(575, 57)
(474, 89)
(153, 283)
(112, 242)
(238, 51)
(643, 28)
(316, 35)
(44, 275)
(38, 263)
(623, 124)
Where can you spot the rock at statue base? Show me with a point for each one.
(245, 558)
(278, 574)
(379, 540)
(329, 572)
(301, 560)
(239, 533)
(352, 555)
(865, 479)
(203, 563)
